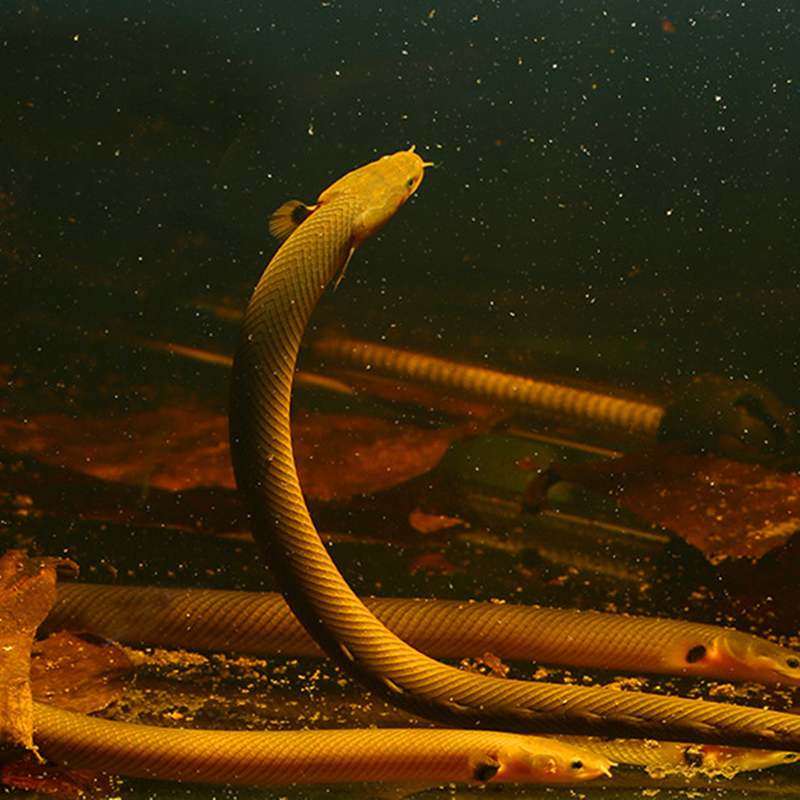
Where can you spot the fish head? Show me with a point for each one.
(378, 190)
(756, 659)
(542, 760)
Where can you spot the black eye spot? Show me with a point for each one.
(410, 182)
(300, 213)
(695, 654)
(792, 662)
(485, 772)
(576, 764)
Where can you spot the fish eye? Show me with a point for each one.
(793, 662)
(576, 764)
(410, 182)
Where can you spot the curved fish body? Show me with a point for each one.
(261, 448)
(324, 238)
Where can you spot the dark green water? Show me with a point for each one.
(614, 199)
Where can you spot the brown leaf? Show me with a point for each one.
(170, 448)
(35, 489)
(28, 774)
(432, 563)
(338, 456)
(79, 672)
(341, 456)
(27, 592)
(431, 523)
(724, 508)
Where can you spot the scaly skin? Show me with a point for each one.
(349, 211)
(262, 623)
(261, 448)
(311, 756)
(324, 756)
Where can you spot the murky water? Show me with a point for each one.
(614, 205)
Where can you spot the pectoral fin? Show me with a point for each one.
(288, 217)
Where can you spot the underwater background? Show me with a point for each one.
(638, 156)
(614, 202)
